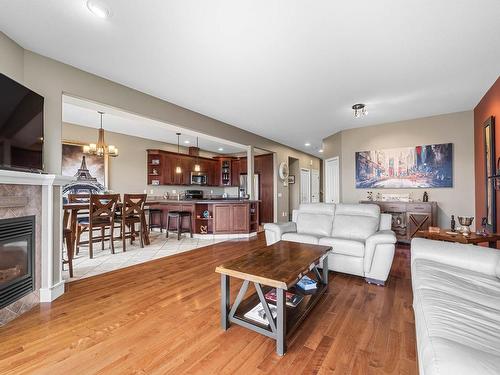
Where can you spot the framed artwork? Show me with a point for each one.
(291, 179)
(490, 170)
(90, 170)
(425, 166)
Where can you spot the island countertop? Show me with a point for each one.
(200, 201)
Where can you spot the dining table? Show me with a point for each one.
(75, 208)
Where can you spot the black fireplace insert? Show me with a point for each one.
(17, 258)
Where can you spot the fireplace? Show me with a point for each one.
(17, 258)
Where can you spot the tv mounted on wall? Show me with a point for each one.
(21, 127)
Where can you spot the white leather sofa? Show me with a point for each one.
(360, 236)
(456, 299)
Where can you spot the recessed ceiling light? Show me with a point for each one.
(221, 149)
(186, 141)
(359, 110)
(307, 144)
(98, 8)
(320, 150)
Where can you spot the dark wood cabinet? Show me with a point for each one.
(240, 218)
(235, 168)
(167, 162)
(409, 217)
(222, 218)
(232, 217)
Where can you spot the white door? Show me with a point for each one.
(315, 186)
(305, 186)
(332, 180)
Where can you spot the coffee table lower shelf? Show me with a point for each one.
(294, 315)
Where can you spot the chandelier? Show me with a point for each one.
(100, 148)
(359, 110)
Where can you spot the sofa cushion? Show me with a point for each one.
(317, 208)
(314, 223)
(344, 246)
(457, 315)
(356, 221)
(302, 238)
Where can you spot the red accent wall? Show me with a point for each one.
(488, 106)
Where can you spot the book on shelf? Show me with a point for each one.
(291, 299)
(306, 283)
(258, 314)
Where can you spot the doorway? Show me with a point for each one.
(332, 180)
(305, 185)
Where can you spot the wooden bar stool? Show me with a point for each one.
(152, 213)
(179, 215)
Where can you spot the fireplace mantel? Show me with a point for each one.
(26, 178)
(52, 283)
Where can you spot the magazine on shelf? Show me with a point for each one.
(258, 314)
(291, 299)
(306, 283)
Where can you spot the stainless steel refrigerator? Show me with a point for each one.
(244, 185)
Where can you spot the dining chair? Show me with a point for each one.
(69, 245)
(132, 213)
(102, 210)
(83, 215)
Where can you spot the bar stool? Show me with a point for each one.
(152, 213)
(179, 215)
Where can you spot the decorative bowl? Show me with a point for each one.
(465, 222)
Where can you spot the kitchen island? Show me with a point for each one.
(212, 217)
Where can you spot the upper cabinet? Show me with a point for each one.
(161, 167)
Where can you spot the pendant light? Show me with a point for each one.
(178, 169)
(100, 148)
(197, 167)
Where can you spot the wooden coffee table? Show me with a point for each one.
(279, 266)
(472, 238)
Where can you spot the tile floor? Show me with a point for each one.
(104, 261)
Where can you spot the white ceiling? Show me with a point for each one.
(85, 113)
(289, 70)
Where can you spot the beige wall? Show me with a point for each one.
(128, 172)
(456, 128)
(51, 79)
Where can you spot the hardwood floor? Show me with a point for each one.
(162, 317)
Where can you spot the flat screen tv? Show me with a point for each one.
(21, 127)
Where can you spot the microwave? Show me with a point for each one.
(198, 178)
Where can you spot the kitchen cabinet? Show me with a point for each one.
(235, 169)
(231, 218)
(167, 162)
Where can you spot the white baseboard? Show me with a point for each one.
(223, 236)
(50, 294)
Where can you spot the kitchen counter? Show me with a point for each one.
(228, 217)
(201, 201)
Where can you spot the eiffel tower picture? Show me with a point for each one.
(84, 183)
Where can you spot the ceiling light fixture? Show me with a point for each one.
(359, 110)
(320, 150)
(221, 149)
(100, 148)
(187, 142)
(307, 144)
(178, 169)
(98, 9)
(197, 167)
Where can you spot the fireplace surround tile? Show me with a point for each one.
(34, 207)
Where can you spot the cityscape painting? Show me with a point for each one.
(426, 166)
